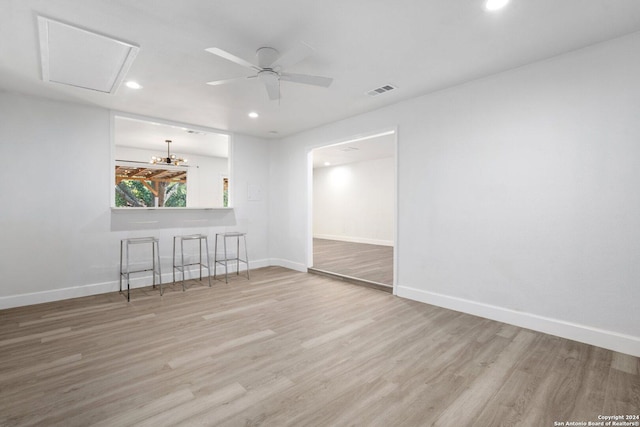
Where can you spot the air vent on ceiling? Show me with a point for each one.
(76, 57)
(382, 89)
(349, 149)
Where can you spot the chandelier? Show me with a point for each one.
(171, 159)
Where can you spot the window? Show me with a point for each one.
(225, 192)
(148, 186)
(191, 182)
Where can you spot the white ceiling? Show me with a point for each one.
(72, 56)
(151, 136)
(418, 45)
(363, 149)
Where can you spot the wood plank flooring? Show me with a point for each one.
(369, 262)
(294, 349)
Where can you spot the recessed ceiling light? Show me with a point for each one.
(133, 85)
(327, 163)
(253, 115)
(495, 4)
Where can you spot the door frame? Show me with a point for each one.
(358, 137)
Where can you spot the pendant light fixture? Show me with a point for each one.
(171, 159)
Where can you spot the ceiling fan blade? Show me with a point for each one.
(222, 82)
(230, 57)
(273, 90)
(306, 79)
(294, 56)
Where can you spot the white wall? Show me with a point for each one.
(59, 237)
(250, 169)
(205, 181)
(355, 202)
(518, 195)
(204, 175)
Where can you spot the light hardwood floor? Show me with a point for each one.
(294, 349)
(369, 262)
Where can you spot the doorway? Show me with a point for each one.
(353, 210)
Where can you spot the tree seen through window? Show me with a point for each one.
(150, 187)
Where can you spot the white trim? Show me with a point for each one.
(114, 114)
(112, 159)
(230, 168)
(56, 295)
(44, 25)
(138, 281)
(309, 232)
(164, 209)
(297, 266)
(623, 343)
(396, 212)
(354, 239)
(43, 36)
(309, 229)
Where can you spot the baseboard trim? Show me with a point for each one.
(279, 262)
(364, 240)
(139, 281)
(57, 294)
(602, 338)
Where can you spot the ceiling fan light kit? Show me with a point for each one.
(270, 66)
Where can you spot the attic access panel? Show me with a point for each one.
(81, 58)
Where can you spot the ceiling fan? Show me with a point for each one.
(270, 66)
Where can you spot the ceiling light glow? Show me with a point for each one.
(492, 5)
(133, 85)
(253, 115)
(327, 163)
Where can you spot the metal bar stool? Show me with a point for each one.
(182, 265)
(226, 259)
(155, 263)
